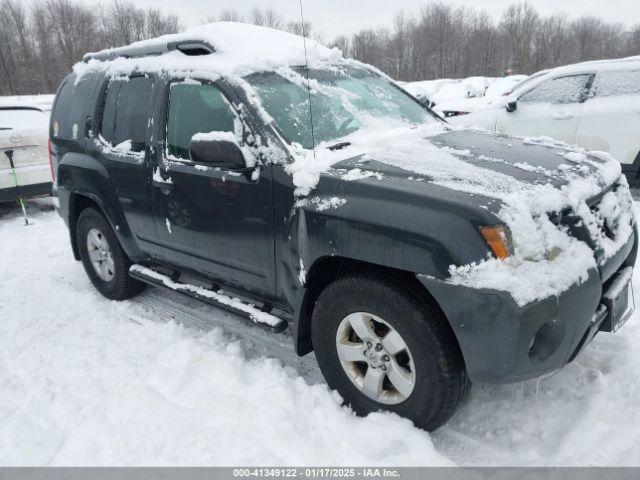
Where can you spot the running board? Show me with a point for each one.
(220, 300)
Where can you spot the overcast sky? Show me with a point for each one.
(334, 17)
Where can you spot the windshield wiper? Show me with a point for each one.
(339, 146)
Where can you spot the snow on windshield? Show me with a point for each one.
(343, 100)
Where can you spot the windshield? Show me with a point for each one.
(343, 100)
(17, 118)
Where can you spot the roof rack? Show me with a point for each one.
(188, 47)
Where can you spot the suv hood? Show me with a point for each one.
(528, 185)
(486, 164)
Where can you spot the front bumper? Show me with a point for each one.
(502, 342)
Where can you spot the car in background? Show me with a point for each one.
(450, 98)
(24, 162)
(594, 105)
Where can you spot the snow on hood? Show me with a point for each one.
(546, 259)
(240, 49)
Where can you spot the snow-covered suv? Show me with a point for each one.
(323, 200)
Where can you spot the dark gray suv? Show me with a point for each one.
(316, 197)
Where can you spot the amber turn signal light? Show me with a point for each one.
(498, 240)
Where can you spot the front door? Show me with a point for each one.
(551, 109)
(216, 222)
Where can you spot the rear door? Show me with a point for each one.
(552, 108)
(216, 222)
(122, 145)
(611, 117)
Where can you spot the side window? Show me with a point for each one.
(569, 89)
(195, 108)
(624, 82)
(126, 112)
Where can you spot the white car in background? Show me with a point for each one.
(449, 98)
(595, 105)
(24, 161)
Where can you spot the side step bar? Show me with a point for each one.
(220, 300)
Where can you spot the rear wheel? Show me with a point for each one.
(383, 348)
(104, 261)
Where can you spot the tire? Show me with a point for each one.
(432, 358)
(116, 284)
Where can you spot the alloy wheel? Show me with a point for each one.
(376, 358)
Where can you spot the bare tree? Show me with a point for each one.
(265, 17)
(519, 25)
(39, 44)
(633, 41)
(342, 43)
(230, 16)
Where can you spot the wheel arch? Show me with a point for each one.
(326, 269)
(77, 203)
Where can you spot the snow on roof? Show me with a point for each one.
(597, 65)
(239, 49)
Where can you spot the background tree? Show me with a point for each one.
(39, 44)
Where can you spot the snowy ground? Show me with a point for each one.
(164, 380)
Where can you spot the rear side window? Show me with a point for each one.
(610, 84)
(126, 112)
(195, 108)
(67, 118)
(569, 89)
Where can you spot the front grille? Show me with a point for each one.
(590, 234)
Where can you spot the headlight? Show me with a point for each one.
(498, 240)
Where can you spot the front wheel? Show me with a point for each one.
(383, 348)
(104, 261)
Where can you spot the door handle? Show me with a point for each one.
(562, 116)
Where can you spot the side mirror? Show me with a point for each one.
(424, 100)
(512, 104)
(218, 149)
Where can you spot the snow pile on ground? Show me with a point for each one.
(87, 381)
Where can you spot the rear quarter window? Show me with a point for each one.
(70, 107)
(611, 84)
(125, 113)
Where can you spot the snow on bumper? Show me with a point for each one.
(502, 341)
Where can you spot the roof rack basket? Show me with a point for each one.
(188, 47)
